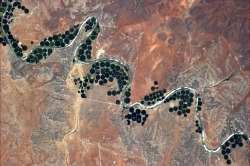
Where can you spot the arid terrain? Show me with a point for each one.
(202, 44)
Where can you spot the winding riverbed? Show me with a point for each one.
(130, 74)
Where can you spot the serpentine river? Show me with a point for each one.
(82, 54)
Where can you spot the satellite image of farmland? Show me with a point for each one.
(124, 83)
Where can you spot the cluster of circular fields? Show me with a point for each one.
(234, 141)
(137, 115)
(85, 48)
(47, 46)
(101, 73)
(156, 95)
(7, 10)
